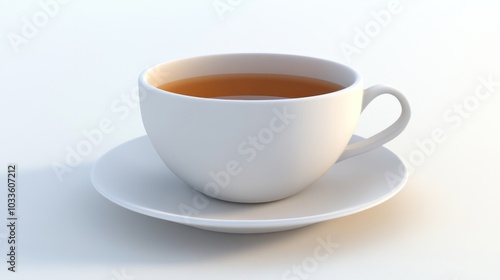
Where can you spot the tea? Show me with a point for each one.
(250, 86)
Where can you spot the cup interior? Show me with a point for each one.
(251, 63)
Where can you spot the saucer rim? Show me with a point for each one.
(244, 223)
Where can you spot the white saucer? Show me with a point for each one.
(133, 176)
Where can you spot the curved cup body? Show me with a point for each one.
(250, 150)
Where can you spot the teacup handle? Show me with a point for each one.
(385, 135)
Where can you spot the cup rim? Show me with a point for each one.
(358, 79)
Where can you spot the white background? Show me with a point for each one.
(78, 66)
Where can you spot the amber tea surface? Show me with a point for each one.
(250, 86)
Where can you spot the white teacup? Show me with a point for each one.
(210, 143)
